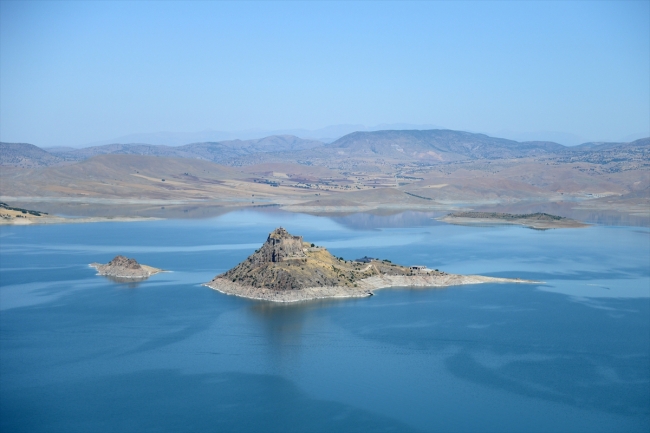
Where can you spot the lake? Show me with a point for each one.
(82, 353)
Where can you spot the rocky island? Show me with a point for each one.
(287, 269)
(123, 267)
(539, 220)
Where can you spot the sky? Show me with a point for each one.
(76, 72)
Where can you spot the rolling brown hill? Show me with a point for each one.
(121, 176)
(137, 179)
(26, 155)
(219, 152)
(439, 144)
(225, 152)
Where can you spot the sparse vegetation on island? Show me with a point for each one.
(287, 269)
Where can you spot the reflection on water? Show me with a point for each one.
(369, 221)
(131, 283)
(288, 326)
(280, 320)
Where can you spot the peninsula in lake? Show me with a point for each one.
(539, 220)
(123, 267)
(287, 269)
(19, 216)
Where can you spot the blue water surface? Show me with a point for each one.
(82, 353)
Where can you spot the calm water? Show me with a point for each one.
(81, 353)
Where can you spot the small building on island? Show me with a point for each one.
(365, 259)
(419, 269)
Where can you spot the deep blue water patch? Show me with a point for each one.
(79, 352)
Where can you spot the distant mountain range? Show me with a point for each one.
(219, 152)
(426, 146)
(436, 146)
(325, 135)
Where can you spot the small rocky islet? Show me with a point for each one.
(124, 267)
(287, 269)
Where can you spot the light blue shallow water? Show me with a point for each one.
(80, 353)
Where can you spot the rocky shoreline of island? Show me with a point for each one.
(288, 269)
(364, 288)
(124, 267)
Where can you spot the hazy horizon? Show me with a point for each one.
(76, 73)
(326, 134)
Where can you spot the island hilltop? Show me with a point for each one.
(123, 267)
(287, 269)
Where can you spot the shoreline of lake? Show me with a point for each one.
(43, 220)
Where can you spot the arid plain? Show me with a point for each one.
(378, 172)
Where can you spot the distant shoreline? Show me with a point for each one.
(63, 220)
(205, 211)
(457, 219)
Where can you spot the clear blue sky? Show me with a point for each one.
(76, 72)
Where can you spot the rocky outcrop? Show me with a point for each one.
(279, 246)
(286, 269)
(285, 262)
(123, 267)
